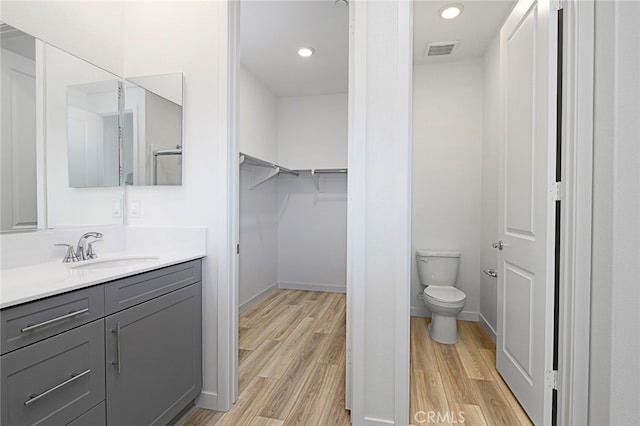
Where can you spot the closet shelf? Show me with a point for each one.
(254, 161)
(248, 159)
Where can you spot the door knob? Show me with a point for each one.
(498, 245)
(491, 272)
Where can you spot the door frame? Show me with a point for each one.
(576, 213)
(228, 191)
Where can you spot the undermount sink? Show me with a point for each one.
(114, 262)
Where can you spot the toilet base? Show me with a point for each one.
(443, 329)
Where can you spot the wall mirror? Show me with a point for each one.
(152, 130)
(93, 121)
(18, 133)
(59, 139)
(81, 141)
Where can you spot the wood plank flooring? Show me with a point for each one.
(459, 384)
(291, 370)
(290, 363)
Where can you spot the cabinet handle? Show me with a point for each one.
(74, 377)
(118, 360)
(30, 327)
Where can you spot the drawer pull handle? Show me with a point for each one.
(117, 333)
(51, 321)
(74, 377)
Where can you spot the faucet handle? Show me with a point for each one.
(71, 255)
(91, 254)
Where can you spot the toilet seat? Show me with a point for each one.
(444, 295)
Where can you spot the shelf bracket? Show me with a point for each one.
(274, 173)
(316, 179)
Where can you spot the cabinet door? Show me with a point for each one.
(154, 358)
(54, 381)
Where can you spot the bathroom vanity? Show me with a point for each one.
(116, 346)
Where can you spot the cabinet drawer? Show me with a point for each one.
(32, 322)
(97, 416)
(127, 292)
(56, 380)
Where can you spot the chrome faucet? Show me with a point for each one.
(81, 251)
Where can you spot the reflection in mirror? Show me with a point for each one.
(81, 142)
(18, 134)
(153, 130)
(93, 127)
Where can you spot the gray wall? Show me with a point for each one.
(312, 232)
(258, 236)
(615, 348)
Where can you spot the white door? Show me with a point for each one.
(526, 218)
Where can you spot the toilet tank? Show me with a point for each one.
(437, 267)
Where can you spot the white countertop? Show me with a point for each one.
(25, 284)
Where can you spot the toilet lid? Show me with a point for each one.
(444, 293)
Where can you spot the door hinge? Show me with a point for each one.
(237, 248)
(551, 379)
(556, 191)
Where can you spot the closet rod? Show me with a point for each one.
(326, 171)
(258, 162)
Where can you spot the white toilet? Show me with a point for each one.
(437, 270)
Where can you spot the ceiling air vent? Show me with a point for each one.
(440, 48)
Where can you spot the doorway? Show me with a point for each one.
(292, 181)
(459, 170)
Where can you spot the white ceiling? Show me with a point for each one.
(273, 31)
(474, 28)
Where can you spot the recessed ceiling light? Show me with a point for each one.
(450, 11)
(305, 52)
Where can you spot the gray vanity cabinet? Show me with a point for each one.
(154, 358)
(126, 352)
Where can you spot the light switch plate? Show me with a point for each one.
(134, 210)
(116, 208)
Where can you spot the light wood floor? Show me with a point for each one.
(291, 370)
(459, 380)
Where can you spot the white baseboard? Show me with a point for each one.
(208, 400)
(332, 288)
(487, 327)
(258, 297)
(469, 316)
(419, 311)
